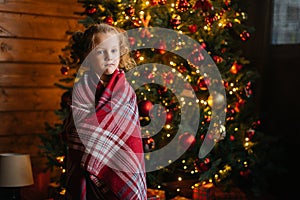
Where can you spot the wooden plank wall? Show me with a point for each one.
(32, 35)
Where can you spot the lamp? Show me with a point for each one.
(15, 172)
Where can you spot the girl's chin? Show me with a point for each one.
(109, 70)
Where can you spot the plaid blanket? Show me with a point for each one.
(108, 136)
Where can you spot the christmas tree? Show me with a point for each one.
(177, 94)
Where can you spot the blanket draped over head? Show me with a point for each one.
(105, 151)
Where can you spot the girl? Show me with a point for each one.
(105, 152)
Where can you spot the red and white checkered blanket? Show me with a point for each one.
(108, 134)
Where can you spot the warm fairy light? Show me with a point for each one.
(63, 170)
(60, 158)
(170, 161)
(230, 92)
(142, 58)
(158, 186)
(179, 178)
(236, 129)
(168, 135)
(247, 139)
(172, 5)
(184, 167)
(168, 126)
(178, 189)
(237, 21)
(216, 176)
(205, 28)
(244, 15)
(147, 3)
(183, 161)
(62, 192)
(192, 172)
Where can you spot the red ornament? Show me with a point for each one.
(90, 10)
(239, 105)
(218, 59)
(129, 11)
(154, 2)
(202, 165)
(228, 25)
(248, 90)
(144, 108)
(137, 55)
(181, 68)
(149, 144)
(161, 47)
(186, 140)
(131, 41)
(245, 35)
(235, 68)
(64, 70)
(162, 2)
(250, 133)
(169, 117)
(182, 5)
(192, 28)
(109, 20)
(162, 90)
(205, 5)
(203, 83)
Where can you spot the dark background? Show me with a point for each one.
(277, 98)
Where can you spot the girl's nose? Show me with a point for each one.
(108, 56)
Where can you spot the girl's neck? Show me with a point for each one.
(105, 78)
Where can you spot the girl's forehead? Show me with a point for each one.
(109, 38)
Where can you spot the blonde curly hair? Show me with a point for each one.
(85, 42)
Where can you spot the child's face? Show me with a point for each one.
(105, 57)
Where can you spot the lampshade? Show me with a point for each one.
(15, 170)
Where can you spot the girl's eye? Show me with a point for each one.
(100, 52)
(114, 50)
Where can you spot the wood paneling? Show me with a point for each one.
(36, 26)
(56, 8)
(13, 123)
(16, 144)
(29, 74)
(26, 99)
(30, 50)
(32, 36)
